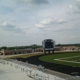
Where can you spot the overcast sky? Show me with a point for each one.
(26, 22)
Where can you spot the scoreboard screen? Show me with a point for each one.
(48, 44)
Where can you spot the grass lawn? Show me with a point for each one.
(65, 58)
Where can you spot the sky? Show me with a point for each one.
(26, 22)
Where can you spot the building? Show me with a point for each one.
(39, 50)
(20, 51)
(16, 51)
(30, 50)
(69, 48)
(57, 49)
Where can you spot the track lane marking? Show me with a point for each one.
(60, 59)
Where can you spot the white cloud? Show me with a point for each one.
(8, 25)
(75, 8)
(15, 29)
(61, 21)
(50, 22)
(46, 21)
(33, 2)
(39, 25)
(71, 6)
(28, 5)
(69, 37)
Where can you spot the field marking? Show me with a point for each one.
(69, 57)
(60, 59)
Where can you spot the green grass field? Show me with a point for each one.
(65, 58)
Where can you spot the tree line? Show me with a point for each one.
(76, 44)
(20, 47)
(34, 46)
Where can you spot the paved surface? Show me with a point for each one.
(13, 71)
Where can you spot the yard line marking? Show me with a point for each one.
(69, 57)
(60, 59)
(66, 61)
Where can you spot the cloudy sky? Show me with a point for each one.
(26, 22)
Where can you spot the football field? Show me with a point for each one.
(64, 58)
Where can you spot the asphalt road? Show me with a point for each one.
(51, 66)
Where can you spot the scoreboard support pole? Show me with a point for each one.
(44, 51)
(52, 51)
(49, 51)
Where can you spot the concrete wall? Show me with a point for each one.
(69, 48)
(20, 51)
